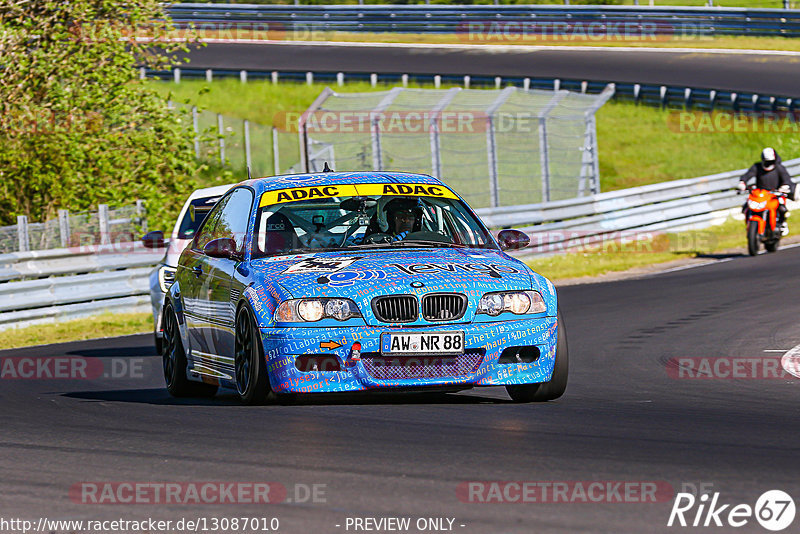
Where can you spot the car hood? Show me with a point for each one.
(362, 275)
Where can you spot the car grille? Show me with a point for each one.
(382, 367)
(444, 306)
(395, 308)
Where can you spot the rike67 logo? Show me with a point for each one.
(774, 510)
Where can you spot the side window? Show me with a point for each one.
(206, 232)
(234, 217)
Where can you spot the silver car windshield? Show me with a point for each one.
(353, 222)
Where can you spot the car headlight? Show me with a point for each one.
(518, 302)
(166, 277)
(312, 310)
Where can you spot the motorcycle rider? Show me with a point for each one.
(770, 174)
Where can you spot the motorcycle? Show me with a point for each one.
(761, 219)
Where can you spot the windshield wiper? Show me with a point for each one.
(425, 242)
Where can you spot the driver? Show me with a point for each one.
(770, 174)
(404, 216)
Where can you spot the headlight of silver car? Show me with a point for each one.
(312, 310)
(518, 302)
(166, 277)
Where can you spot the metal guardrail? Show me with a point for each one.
(664, 96)
(63, 284)
(555, 19)
(669, 206)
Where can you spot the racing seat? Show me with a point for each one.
(280, 234)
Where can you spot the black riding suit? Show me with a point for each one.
(771, 180)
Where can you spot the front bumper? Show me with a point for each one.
(282, 346)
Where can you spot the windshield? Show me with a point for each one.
(353, 222)
(193, 218)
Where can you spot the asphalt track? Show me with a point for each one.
(767, 73)
(624, 418)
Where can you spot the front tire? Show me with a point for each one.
(555, 387)
(174, 362)
(252, 382)
(752, 238)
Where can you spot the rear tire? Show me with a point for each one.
(252, 382)
(174, 362)
(555, 387)
(772, 246)
(752, 238)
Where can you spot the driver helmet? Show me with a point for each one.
(403, 205)
(768, 158)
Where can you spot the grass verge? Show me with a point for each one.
(638, 144)
(104, 325)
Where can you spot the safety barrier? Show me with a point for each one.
(62, 284)
(492, 21)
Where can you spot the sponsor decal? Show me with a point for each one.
(320, 265)
(348, 278)
(350, 190)
(493, 270)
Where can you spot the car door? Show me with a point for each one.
(221, 296)
(192, 274)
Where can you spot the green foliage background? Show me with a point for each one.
(77, 126)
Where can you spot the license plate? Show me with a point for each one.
(423, 343)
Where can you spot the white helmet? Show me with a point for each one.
(768, 158)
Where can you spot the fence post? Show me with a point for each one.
(526, 84)
(63, 226)
(491, 145)
(274, 76)
(544, 153)
(374, 127)
(404, 80)
(141, 213)
(310, 78)
(196, 132)
(176, 74)
(22, 233)
(436, 160)
(209, 75)
(142, 73)
(437, 81)
(373, 80)
(247, 143)
(243, 76)
(102, 217)
(340, 79)
(466, 82)
(276, 159)
(221, 133)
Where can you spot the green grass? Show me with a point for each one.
(663, 248)
(637, 144)
(105, 325)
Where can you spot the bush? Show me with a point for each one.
(78, 127)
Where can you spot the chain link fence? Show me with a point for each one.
(495, 147)
(122, 224)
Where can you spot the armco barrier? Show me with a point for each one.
(62, 284)
(554, 19)
(668, 206)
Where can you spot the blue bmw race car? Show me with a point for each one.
(352, 281)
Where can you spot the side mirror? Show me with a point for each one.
(224, 247)
(154, 239)
(513, 240)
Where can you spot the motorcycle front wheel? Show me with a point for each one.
(752, 238)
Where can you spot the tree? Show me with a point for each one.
(77, 125)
